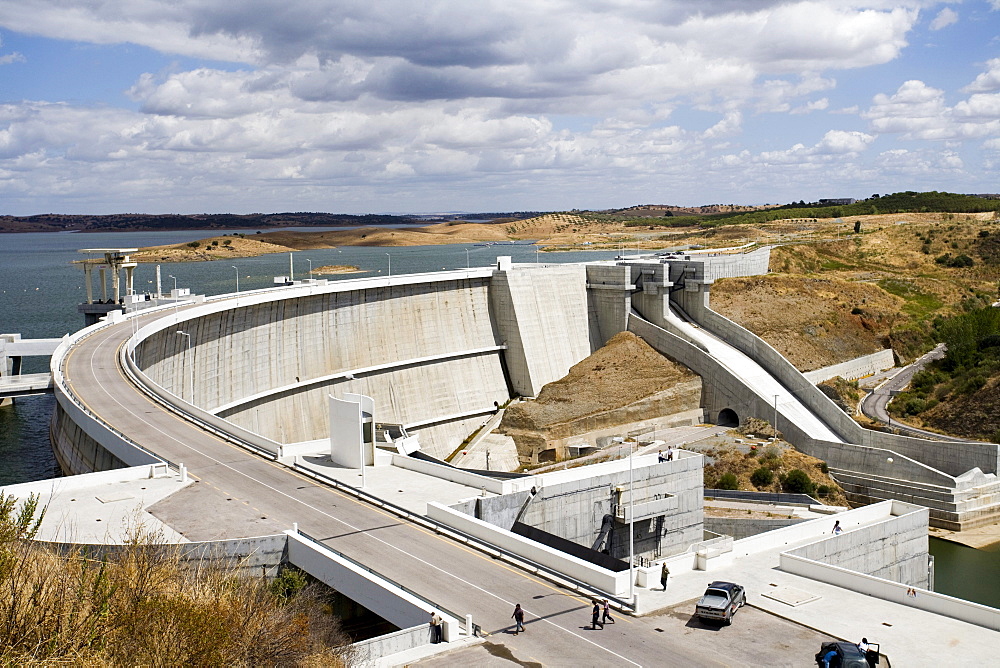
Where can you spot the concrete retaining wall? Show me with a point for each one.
(914, 597)
(866, 365)
(260, 555)
(895, 549)
(574, 509)
(464, 477)
(369, 652)
(743, 528)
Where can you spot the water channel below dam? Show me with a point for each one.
(40, 289)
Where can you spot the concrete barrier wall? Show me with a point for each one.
(370, 652)
(255, 556)
(743, 528)
(817, 528)
(940, 604)
(368, 589)
(866, 365)
(86, 480)
(894, 549)
(604, 580)
(463, 477)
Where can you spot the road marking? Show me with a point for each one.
(189, 425)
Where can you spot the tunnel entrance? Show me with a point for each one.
(728, 418)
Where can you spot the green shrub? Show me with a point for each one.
(823, 490)
(727, 481)
(194, 244)
(762, 477)
(797, 482)
(824, 467)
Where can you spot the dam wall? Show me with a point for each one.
(541, 316)
(424, 350)
(437, 352)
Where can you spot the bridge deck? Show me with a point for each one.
(24, 385)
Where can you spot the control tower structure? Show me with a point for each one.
(115, 259)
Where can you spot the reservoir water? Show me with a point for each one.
(40, 290)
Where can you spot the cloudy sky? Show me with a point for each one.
(490, 105)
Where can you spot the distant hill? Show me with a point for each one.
(135, 222)
(896, 203)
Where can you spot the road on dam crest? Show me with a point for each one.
(238, 494)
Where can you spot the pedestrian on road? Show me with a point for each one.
(518, 618)
(435, 627)
(664, 574)
(595, 616)
(670, 453)
(836, 528)
(660, 457)
(606, 617)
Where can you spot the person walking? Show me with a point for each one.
(435, 627)
(595, 616)
(836, 528)
(518, 617)
(664, 574)
(606, 617)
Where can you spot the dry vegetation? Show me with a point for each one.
(143, 605)
(623, 371)
(780, 458)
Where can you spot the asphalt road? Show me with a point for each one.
(238, 494)
(875, 404)
(755, 638)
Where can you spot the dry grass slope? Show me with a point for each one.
(144, 606)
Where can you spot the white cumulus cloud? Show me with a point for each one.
(945, 18)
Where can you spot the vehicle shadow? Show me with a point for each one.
(696, 622)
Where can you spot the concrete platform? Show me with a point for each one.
(404, 488)
(908, 636)
(102, 508)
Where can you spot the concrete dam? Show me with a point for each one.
(438, 353)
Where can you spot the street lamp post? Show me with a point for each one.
(467, 265)
(310, 267)
(631, 532)
(175, 280)
(390, 263)
(774, 426)
(188, 363)
(237, 278)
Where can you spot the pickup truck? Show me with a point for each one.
(720, 602)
